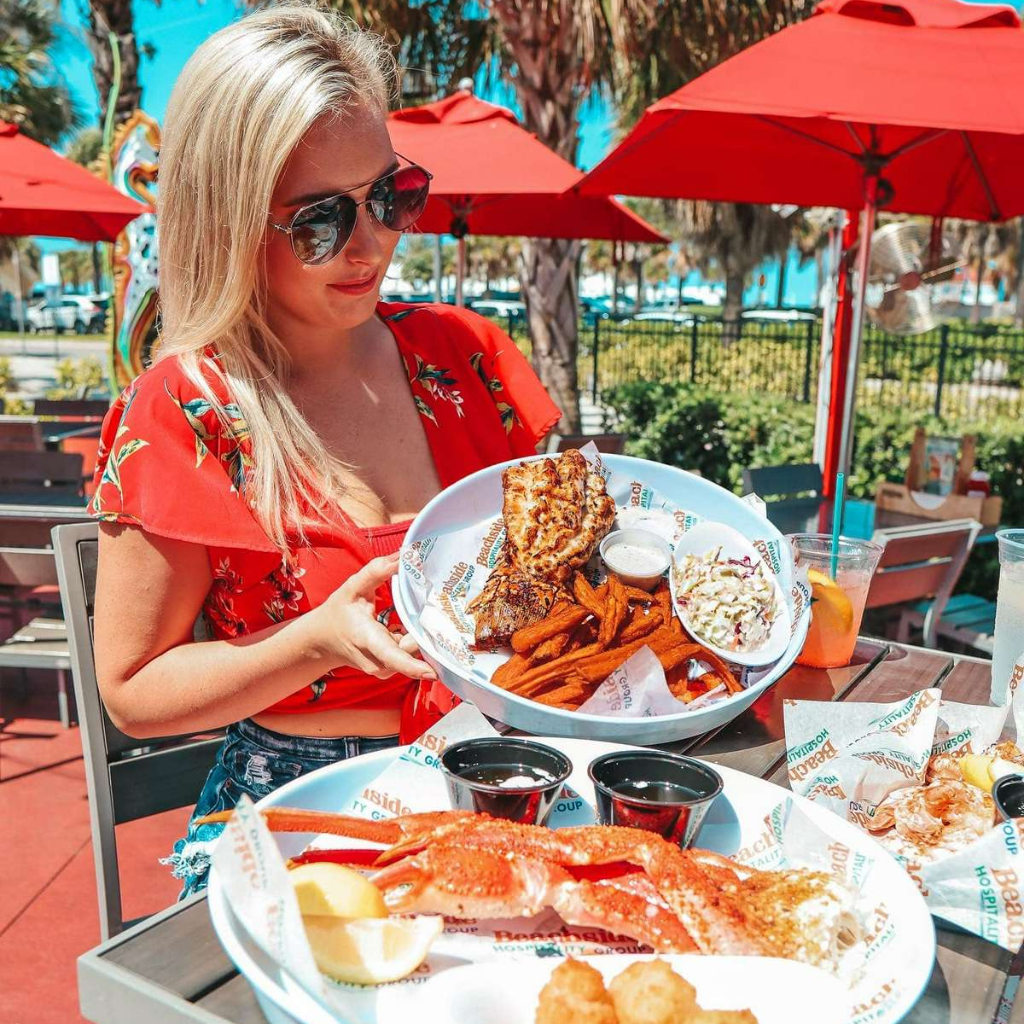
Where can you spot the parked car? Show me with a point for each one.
(778, 315)
(506, 308)
(67, 313)
(670, 315)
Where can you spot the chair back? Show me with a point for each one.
(126, 778)
(74, 408)
(922, 561)
(20, 434)
(611, 444)
(784, 482)
(40, 475)
(792, 494)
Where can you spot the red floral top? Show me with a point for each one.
(167, 464)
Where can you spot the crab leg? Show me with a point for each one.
(472, 883)
(388, 830)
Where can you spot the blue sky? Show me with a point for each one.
(177, 27)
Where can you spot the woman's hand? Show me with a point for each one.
(349, 619)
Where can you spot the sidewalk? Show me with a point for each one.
(48, 913)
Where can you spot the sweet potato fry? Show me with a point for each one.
(635, 594)
(602, 591)
(678, 682)
(664, 599)
(598, 666)
(615, 609)
(585, 633)
(640, 625)
(587, 596)
(506, 674)
(549, 649)
(570, 693)
(721, 670)
(679, 655)
(528, 637)
(534, 680)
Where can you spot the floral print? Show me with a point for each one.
(174, 465)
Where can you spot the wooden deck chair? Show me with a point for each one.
(126, 778)
(612, 444)
(921, 561)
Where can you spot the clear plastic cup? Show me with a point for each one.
(837, 605)
(1008, 644)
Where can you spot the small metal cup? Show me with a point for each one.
(528, 805)
(677, 820)
(1008, 794)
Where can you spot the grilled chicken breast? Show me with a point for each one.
(556, 512)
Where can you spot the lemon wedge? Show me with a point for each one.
(333, 890)
(1000, 767)
(975, 770)
(832, 608)
(371, 951)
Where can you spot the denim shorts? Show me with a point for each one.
(255, 761)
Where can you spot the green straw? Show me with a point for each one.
(837, 520)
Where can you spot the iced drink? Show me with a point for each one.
(1009, 636)
(837, 604)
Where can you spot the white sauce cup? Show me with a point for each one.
(639, 558)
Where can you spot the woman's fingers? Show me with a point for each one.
(407, 643)
(365, 582)
(392, 657)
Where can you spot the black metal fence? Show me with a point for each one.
(958, 372)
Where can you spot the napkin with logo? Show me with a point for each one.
(851, 756)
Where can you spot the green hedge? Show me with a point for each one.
(718, 434)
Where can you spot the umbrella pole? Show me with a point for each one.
(863, 260)
(21, 294)
(460, 273)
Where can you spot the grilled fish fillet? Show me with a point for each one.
(556, 512)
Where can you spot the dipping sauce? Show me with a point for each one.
(508, 776)
(638, 557)
(505, 777)
(656, 791)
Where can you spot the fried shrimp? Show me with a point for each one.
(575, 994)
(935, 819)
(652, 993)
(648, 992)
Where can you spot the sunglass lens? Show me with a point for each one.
(398, 199)
(320, 232)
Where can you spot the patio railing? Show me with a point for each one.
(958, 372)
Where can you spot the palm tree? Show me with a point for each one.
(85, 149)
(33, 94)
(114, 18)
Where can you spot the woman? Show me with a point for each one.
(263, 472)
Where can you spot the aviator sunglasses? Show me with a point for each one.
(321, 230)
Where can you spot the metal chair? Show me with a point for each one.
(95, 408)
(922, 561)
(611, 444)
(791, 493)
(126, 778)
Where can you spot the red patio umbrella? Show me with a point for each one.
(42, 193)
(492, 177)
(914, 105)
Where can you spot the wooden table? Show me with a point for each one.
(28, 524)
(171, 967)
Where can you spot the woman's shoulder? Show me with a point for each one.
(169, 378)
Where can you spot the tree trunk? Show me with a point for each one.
(1018, 313)
(106, 17)
(541, 37)
(976, 308)
(780, 293)
(679, 293)
(549, 289)
(735, 279)
(615, 287)
(97, 268)
(638, 268)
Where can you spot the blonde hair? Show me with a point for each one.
(241, 105)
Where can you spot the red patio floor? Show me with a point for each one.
(48, 912)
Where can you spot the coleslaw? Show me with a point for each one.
(729, 602)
